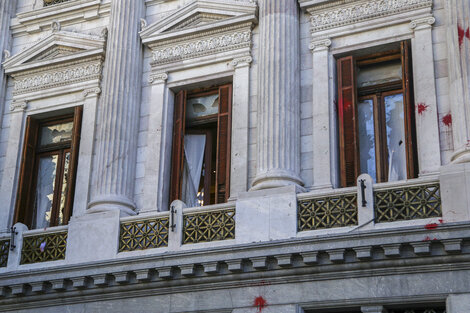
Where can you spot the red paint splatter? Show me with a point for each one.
(441, 221)
(422, 108)
(447, 119)
(260, 303)
(431, 226)
(429, 238)
(462, 34)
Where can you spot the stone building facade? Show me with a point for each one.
(235, 156)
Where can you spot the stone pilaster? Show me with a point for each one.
(427, 128)
(278, 158)
(321, 114)
(119, 111)
(458, 48)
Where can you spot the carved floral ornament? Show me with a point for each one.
(204, 46)
(321, 19)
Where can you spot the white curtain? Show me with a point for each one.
(194, 146)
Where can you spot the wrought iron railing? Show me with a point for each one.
(44, 247)
(47, 3)
(144, 234)
(327, 212)
(209, 226)
(407, 203)
(4, 249)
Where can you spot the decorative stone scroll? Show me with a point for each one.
(325, 18)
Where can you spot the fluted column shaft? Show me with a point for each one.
(7, 10)
(119, 110)
(278, 158)
(458, 43)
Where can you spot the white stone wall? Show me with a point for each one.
(160, 9)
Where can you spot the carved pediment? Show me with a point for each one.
(200, 16)
(60, 59)
(202, 27)
(58, 47)
(56, 51)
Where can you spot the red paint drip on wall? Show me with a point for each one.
(422, 108)
(447, 119)
(430, 226)
(462, 34)
(260, 303)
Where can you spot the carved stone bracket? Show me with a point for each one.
(242, 62)
(91, 92)
(158, 78)
(321, 44)
(422, 23)
(18, 106)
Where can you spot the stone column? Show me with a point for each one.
(240, 110)
(427, 128)
(7, 10)
(321, 115)
(458, 49)
(119, 111)
(278, 157)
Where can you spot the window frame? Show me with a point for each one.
(348, 132)
(223, 141)
(28, 175)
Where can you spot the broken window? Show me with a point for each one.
(200, 168)
(376, 116)
(48, 168)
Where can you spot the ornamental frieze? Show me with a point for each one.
(202, 47)
(57, 77)
(362, 11)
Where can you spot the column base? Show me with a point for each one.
(111, 203)
(461, 155)
(276, 179)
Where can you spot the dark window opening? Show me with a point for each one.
(376, 116)
(48, 168)
(200, 172)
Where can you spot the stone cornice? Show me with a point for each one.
(301, 259)
(69, 12)
(326, 15)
